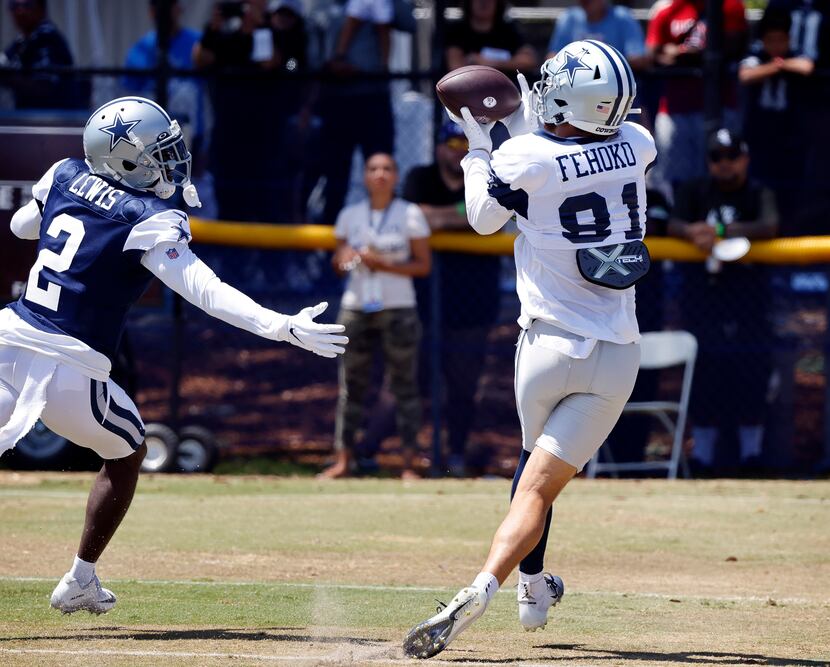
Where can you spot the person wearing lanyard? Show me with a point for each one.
(382, 244)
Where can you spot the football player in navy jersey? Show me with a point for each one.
(103, 231)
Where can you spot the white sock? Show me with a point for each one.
(82, 571)
(529, 578)
(488, 583)
(535, 582)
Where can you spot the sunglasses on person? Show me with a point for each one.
(718, 156)
(457, 143)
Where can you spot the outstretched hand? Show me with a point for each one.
(301, 330)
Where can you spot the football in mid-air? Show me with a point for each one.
(488, 93)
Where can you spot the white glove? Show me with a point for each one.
(478, 135)
(301, 330)
(524, 119)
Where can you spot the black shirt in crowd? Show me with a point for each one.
(469, 283)
(702, 200)
(45, 47)
(502, 37)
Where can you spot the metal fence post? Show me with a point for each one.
(436, 380)
(713, 68)
(164, 29)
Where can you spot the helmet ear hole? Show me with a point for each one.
(596, 73)
(127, 165)
(560, 102)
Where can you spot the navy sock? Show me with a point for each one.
(534, 562)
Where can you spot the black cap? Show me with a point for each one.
(726, 140)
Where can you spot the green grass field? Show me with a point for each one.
(261, 570)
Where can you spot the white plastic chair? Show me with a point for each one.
(659, 349)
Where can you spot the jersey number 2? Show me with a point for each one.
(57, 262)
(597, 230)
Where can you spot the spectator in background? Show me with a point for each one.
(298, 132)
(606, 22)
(676, 36)
(468, 288)
(238, 39)
(355, 110)
(40, 44)
(809, 28)
(237, 35)
(378, 13)
(289, 35)
(810, 38)
(630, 437)
(774, 78)
(484, 37)
(382, 243)
(727, 303)
(185, 96)
(468, 285)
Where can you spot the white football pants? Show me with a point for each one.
(93, 414)
(568, 406)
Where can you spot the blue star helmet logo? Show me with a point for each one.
(572, 65)
(119, 131)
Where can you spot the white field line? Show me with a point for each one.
(433, 589)
(335, 658)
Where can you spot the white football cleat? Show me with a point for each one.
(69, 596)
(434, 635)
(533, 611)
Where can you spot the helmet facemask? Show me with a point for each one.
(168, 158)
(550, 107)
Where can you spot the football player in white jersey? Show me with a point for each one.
(103, 231)
(577, 188)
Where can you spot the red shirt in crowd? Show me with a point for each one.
(682, 22)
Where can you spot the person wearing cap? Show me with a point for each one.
(726, 305)
(468, 289)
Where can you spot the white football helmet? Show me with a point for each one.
(134, 141)
(588, 84)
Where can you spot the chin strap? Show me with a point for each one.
(164, 190)
(191, 197)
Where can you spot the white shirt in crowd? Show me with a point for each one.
(388, 232)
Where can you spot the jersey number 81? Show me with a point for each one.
(597, 230)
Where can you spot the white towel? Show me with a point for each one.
(30, 402)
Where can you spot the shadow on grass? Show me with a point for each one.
(278, 634)
(597, 655)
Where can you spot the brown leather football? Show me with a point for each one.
(488, 93)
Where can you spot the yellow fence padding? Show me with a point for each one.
(803, 250)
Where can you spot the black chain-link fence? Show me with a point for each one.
(266, 157)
